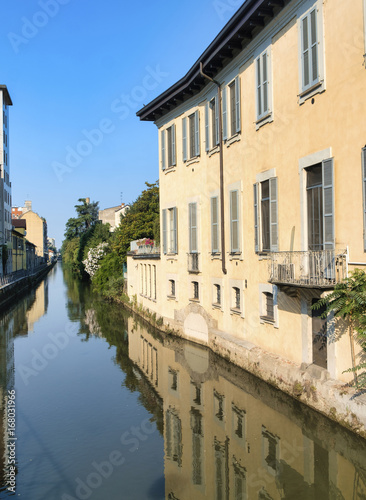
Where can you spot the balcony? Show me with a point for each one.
(193, 262)
(311, 269)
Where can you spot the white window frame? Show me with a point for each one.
(187, 138)
(215, 249)
(227, 118)
(317, 85)
(168, 153)
(235, 188)
(268, 175)
(212, 124)
(263, 289)
(170, 231)
(263, 87)
(236, 284)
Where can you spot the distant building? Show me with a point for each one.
(51, 241)
(19, 260)
(37, 233)
(5, 185)
(112, 216)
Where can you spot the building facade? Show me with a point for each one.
(37, 234)
(112, 216)
(5, 184)
(262, 177)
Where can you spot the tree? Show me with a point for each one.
(87, 216)
(348, 301)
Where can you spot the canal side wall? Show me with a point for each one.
(307, 383)
(11, 291)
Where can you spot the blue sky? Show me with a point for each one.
(74, 67)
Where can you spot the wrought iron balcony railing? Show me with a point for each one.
(320, 269)
(193, 262)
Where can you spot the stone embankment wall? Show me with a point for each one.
(9, 292)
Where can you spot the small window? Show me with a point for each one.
(173, 379)
(215, 224)
(234, 221)
(217, 295)
(195, 290)
(268, 306)
(231, 123)
(219, 406)
(236, 298)
(263, 83)
(171, 288)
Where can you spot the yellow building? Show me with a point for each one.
(19, 254)
(263, 183)
(37, 233)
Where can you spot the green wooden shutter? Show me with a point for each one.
(217, 121)
(224, 115)
(265, 82)
(237, 103)
(175, 230)
(197, 132)
(256, 218)
(214, 225)
(164, 232)
(273, 214)
(184, 138)
(364, 195)
(174, 162)
(207, 128)
(259, 87)
(162, 135)
(305, 53)
(192, 223)
(234, 220)
(314, 47)
(328, 204)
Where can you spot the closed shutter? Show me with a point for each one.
(234, 221)
(364, 196)
(259, 89)
(184, 138)
(256, 218)
(273, 213)
(192, 227)
(265, 82)
(217, 121)
(328, 205)
(214, 225)
(314, 46)
(237, 103)
(305, 53)
(207, 129)
(162, 136)
(224, 115)
(309, 50)
(174, 162)
(164, 232)
(197, 133)
(175, 230)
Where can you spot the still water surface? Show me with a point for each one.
(108, 409)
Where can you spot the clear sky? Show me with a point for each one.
(77, 66)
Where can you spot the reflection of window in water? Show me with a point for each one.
(240, 487)
(238, 422)
(173, 437)
(263, 495)
(173, 379)
(197, 447)
(219, 406)
(196, 393)
(270, 450)
(221, 470)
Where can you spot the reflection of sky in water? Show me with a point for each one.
(93, 403)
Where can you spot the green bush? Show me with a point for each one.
(108, 279)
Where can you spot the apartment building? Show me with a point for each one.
(262, 150)
(5, 184)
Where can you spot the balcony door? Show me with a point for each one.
(314, 191)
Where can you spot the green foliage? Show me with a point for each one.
(108, 280)
(348, 301)
(87, 216)
(139, 221)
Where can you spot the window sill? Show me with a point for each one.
(317, 88)
(168, 170)
(194, 300)
(263, 120)
(235, 310)
(215, 256)
(195, 159)
(171, 256)
(267, 319)
(235, 256)
(171, 297)
(232, 139)
(264, 255)
(213, 151)
(216, 306)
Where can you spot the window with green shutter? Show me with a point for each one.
(234, 221)
(215, 248)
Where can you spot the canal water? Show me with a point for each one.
(108, 409)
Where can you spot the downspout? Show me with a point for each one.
(222, 211)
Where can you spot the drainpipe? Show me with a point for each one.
(222, 212)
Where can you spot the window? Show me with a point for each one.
(219, 406)
(217, 295)
(364, 196)
(320, 206)
(311, 53)
(170, 230)
(168, 154)
(236, 299)
(195, 290)
(268, 305)
(171, 288)
(231, 123)
(173, 379)
(192, 225)
(266, 216)
(234, 221)
(215, 224)
(270, 451)
(263, 85)
(191, 137)
(212, 124)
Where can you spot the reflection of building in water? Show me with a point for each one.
(39, 306)
(92, 323)
(230, 436)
